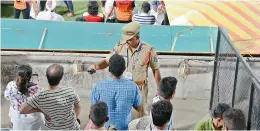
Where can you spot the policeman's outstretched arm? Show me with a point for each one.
(102, 65)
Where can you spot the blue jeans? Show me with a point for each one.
(69, 4)
(111, 20)
(26, 12)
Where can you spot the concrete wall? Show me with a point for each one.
(197, 83)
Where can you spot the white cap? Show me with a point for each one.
(50, 5)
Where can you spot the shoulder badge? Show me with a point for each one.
(155, 58)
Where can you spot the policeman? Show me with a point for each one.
(139, 56)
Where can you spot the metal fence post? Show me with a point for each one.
(215, 70)
(251, 100)
(235, 84)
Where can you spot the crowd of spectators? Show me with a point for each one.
(110, 11)
(58, 107)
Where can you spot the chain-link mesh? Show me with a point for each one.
(225, 74)
(255, 117)
(232, 81)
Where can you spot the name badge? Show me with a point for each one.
(129, 76)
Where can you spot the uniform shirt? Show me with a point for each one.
(58, 104)
(120, 95)
(138, 56)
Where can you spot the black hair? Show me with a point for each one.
(93, 7)
(234, 119)
(54, 74)
(25, 74)
(218, 111)
(146, 7)
(117, 65)
(99, 113)
(167, 87)
(161, 112)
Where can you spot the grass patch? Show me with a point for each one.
(7, 11)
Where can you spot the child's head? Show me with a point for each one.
(234, 119)
(161, 112)
(217, 114)
(99, 113)
(167, 87)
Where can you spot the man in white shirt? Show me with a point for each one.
(35, 8)
(50, 14)
(109, 12)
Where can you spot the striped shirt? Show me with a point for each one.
(58, 104)
(144, 19)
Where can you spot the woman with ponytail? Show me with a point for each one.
(18, 92)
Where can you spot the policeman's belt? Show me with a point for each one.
(140, 82)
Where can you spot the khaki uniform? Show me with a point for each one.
(138, 62)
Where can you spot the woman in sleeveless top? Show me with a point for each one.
(18, 92)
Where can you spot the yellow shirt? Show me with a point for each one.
(20, 4)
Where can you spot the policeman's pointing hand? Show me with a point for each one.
(92, 69)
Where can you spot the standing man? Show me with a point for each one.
(139, 56)
(21, 6)
(120, 95)
(70, 7)
(145, 18)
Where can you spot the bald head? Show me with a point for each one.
(54, 74)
